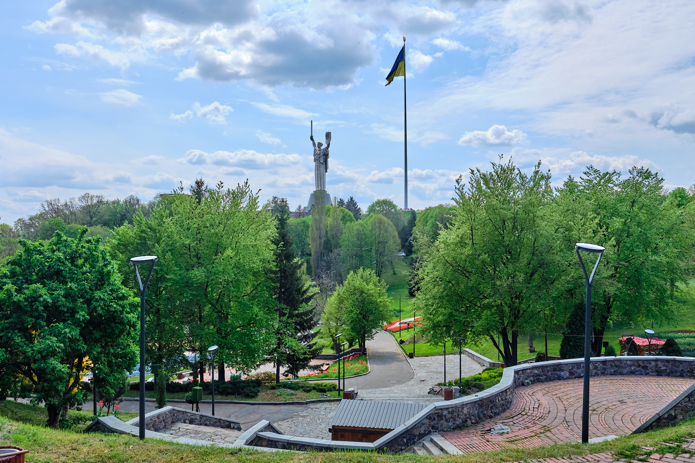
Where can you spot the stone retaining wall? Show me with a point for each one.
(164, 417)
(444, 416)
(481, 359)
(680, 408)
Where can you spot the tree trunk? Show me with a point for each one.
(53, 416)
(277, 372)
(202, 366)
(515, 338)
(529, 341)
(220, 372)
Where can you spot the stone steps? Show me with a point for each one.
(435, 445)
(208, 433)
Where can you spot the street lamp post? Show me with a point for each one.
(343, 358)
(459, 360)
(414, 317)
(212, 351)
(445, 363)
(339, 351)
(591, 248)
(650, 335)
(143, 288)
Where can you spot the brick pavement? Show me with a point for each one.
(550, 413)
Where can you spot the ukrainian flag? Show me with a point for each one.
(398, 68)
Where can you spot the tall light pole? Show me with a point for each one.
(591, 248)
(212, 351)
(339, 349)
(650, 335)
(143, 288)
(459, 338)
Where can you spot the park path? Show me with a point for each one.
(550, 413)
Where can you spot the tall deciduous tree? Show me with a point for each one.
(385, 243)
(356, 247)
(489, 272)
(361, 304)
(64, 312)
(649, 243)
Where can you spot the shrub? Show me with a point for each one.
(631, 347)
(266, 377)
(610, 351)
(476, 383)
(540, 357)
(671, 348)
(572, 345)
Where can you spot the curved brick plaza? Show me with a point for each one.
(550, 413)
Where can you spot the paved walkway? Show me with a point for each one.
(550, 413)
(313, 421)
(428, 372)
(193, 431)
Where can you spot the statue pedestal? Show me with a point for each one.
(311, 201)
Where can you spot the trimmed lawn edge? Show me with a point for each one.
(240, 402)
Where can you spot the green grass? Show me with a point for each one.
(356, 366)
(37, 415)
(48, 445)
(266, 395)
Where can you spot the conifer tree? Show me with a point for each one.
(352, 206)
(294, 346)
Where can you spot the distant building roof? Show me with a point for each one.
(374, 414)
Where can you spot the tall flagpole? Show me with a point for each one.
(405, 126)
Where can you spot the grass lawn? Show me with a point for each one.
(399, 284)
(38, 415)
(48, 445)
(266, 395)
(356, 366)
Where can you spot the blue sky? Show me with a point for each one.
(120, 97)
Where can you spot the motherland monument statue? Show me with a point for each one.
(321, 155)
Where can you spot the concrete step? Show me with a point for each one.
(431, 448)
(418, 450)
(444, 445)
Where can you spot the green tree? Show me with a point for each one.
(48, 228)
(294, 345)
(9, 242)
(385, 243)
(572, 344)
(428, 225)
(680, 197)
(335, 228)
(64, 313)
(317, 232)
(352, 206)
(490, 272)
(388, 209)
(649, 243)
(299, 230)
(362, 304)
(356, 247)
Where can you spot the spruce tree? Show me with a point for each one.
(295, 346)
(572, 345)
(352, 206)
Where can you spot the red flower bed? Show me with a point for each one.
(404, 324)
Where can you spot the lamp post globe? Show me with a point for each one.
(593, 249)
(142, 287)
(650, 335)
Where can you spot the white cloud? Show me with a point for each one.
(267, 138)
(392, 133)
(118, 82)
(94, 53)
(496, 135)
(247, 159)
(386, 177)
(450, 45)
(214, 113)
(285, 111)
(46, 67)
(185, 117)
(121, 96)
(151, 160)
(419, 61)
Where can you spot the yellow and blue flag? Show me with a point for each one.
(398, 68)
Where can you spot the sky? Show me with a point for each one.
(121, 97)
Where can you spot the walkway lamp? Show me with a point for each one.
(650, 335)
(339, 349)
(460, 339)
(143, 288)
(590, 248)
(212, 351)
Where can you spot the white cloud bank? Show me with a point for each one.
(495, 135)
(120, 96)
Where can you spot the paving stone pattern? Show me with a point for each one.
(550, 413)
(313, 421)
(428, 372)
(192, 431)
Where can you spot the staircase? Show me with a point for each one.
(434, 444)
